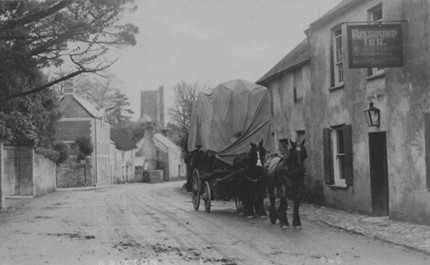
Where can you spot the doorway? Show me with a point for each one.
(378, 173)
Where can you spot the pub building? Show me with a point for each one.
(357, 89)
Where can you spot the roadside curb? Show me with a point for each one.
(19, 197)
(87, 188)
(384, 239)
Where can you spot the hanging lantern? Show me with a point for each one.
(372, 116)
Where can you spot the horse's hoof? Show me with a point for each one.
(250, 217)
(273, 218)
(263, 217)
(298, 227)
(285, 226)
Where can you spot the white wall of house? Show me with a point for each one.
(102, 154)
(124, 166)
(176, 164)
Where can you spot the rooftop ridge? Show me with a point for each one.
(149, 91)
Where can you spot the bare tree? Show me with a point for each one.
(99, 90)
(105, 94)
(186, 95)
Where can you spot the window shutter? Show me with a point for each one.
(427, 147)
(332, 62)
(328, 172)
(347, 140)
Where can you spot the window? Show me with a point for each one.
(337, 57)
(338, 155)
(298, 84)
(374, 15)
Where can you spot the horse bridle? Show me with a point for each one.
(298, 168)
(259, 162)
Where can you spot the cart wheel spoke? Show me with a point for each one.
(196, 189)
(238, 203)
(207, 196)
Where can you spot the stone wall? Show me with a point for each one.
(138, 174)
(44, 175)
(153, 176)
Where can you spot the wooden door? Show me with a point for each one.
(378, 173)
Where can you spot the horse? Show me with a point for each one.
(286, 174)
(251, 181)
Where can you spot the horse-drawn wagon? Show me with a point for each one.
(229, 125)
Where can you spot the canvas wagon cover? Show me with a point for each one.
(226, 119)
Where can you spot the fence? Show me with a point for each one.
(72, 174)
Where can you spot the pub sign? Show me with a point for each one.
(375, 45)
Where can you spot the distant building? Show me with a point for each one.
(289, 82)
(171, 156)
(152, 105)
(122, 157)
(166, 155)
(81, 118)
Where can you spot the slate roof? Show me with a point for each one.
(165, 141)
(121, 140)
(161, 139)
(89, 107)
(295, 58)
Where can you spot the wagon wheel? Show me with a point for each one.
(239, 204)
(196, 189)
(207, 196)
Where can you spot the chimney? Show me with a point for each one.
(68, 87)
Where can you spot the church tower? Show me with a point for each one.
(152, 105)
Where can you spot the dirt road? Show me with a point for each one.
(156, 224)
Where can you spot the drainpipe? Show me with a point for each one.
(33, 180)
(95, 150)
(2, 176)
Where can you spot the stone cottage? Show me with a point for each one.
(377, 170)
(159, 152)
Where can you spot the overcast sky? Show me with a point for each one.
(210, 41)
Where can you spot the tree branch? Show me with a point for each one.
(36, 16)
(45, 86)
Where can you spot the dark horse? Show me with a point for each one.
(250, 183)
(286, 173)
